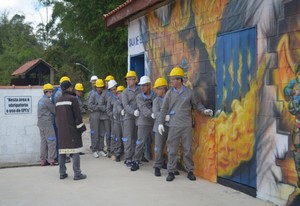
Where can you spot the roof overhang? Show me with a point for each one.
(131, 8)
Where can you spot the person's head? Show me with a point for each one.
(48, 89)
(120, 89)
(93, 80)
(161, 87)
(145, 83)
(112, 86)
(176, 77)
(79, 89)
(131, 78)
(66, 86)
(296, 89)
(99, 85)
(107, 79)
(64, 78)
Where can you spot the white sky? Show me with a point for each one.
(32, 10)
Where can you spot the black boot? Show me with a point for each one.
(191, 176)
(157, 172)
(170, 177)
(135, 166)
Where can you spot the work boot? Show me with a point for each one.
(63, 176)
(118, 158)
(44, 163)
(135, 166)
(191, 176)
(176, 172)
(170, 177)
(157, 172)
(80, 177)
(144, 159)
(128, 163)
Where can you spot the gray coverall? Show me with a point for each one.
(130, 128)
(160, 140)
(46, 112)
(145, 124)
(117, 126)
(97, 127)
(105, 117)
(179, 106)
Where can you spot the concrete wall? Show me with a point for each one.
(19, 134)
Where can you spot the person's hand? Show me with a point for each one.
(167, 118)
(136, 113)
(152, 116)
(161, 129)
(208, 112)
(122, 112)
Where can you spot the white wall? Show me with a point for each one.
(19, 134)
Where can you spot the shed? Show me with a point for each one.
(34, 72)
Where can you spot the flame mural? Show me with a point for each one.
(239, 66)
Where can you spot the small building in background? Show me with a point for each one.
(34, 72)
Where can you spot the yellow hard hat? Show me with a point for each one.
(177, 72)
(47, 87)
(160, 82)
(131, 74)
(99, 83)
(64, 78)
(120, 88)
(79, 87)
(109, 77)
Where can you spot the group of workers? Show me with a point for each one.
(127, 119)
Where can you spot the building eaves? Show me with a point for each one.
(119, 15)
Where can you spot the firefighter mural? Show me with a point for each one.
(240, 58)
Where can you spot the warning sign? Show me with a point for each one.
(18, 105)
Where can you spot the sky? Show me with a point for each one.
(32, 10)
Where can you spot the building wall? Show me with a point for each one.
(257, 129)
(19, 134)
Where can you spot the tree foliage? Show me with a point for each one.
(75, 33)
(18, 45)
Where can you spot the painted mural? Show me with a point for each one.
(240, 57)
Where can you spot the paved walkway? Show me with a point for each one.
(111, 184)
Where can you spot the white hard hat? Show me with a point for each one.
(94, 78)
(111, 84)
(144, 80)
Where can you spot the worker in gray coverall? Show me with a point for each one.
(46, 112)
(161, 88)
(118, 115)
(131, 113)
(145, 120)
(106, 94)
(96, 124)
(178, 103)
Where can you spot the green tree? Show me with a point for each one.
(18, 45)
(81, 36)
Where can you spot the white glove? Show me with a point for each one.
(136, 113)
(122, 112)
(152, 116)
(161, 129)
(208, 112)
(167, 118)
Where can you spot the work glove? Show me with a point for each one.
(136, 113)
(152, 116)
(167, 118)
(122, 112)
(161, 129)
(208, 112)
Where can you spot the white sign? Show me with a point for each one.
(18, 105)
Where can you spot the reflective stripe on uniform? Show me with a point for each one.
(63, 103)
(80, 125)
